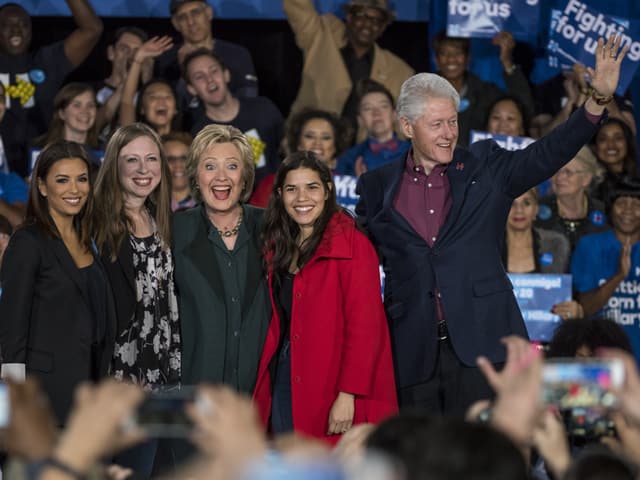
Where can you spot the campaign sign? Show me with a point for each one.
(507, 142)
(485, 18)
(35, 152)
(536, 293)
(573, 37)
(346, 191)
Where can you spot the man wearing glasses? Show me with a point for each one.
(192, 19)
(337, 55)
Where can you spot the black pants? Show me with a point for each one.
(281, 406)
(450, 390)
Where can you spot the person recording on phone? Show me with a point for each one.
(438, 218)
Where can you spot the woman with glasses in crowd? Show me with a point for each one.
(571, 210)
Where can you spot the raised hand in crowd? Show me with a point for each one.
(97, 426)
(629, 394)
(31, 433)
(551, 442)
(505, 41)
(518, 389)
(227, 428)
(141, 65)
(605, 76)
(627, 439)
(152, 48)
(575, 88)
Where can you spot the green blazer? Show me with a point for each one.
(203, 307)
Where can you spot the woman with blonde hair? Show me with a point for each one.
(572, 211)
(224, 300)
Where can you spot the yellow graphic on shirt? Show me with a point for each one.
(257, 147)
(23, 90)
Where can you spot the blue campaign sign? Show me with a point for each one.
(507, 142)
(574, 31)
(346, 191)
(536, 293)
(485, 18)
(406, 10)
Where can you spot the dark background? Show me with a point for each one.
(277, 59)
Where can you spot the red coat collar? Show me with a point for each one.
(337, 241)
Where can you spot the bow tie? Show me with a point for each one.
(377, 147)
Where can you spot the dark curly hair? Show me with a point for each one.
(342, 131)
(575, 333)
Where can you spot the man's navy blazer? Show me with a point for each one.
(464, 264)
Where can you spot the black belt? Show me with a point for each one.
(443, 332)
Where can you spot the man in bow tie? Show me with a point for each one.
(437, 217)
(376, 112)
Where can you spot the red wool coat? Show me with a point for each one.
(339, 336)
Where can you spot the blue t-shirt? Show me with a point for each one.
(387, 153)
(595, 260)
(12, 188)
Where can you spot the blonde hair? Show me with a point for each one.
(212, 135)
(591, 164)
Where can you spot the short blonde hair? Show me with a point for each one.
(591, 164)
(215, 134)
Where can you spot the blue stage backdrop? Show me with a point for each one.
(407, 10)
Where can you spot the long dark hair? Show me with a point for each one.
(297, 121)
(280, 231)
(629, 162)
(38, 205)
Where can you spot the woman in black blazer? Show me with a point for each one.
(56, 310)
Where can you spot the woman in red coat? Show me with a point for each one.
(328, 345)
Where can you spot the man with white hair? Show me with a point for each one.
(438, 217)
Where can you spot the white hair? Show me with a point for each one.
(416, 91)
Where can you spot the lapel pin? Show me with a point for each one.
(459, 166)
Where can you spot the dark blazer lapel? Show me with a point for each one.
(68, 265)
(112, 323)
(125, 259)
(459, 171)
(201, 254)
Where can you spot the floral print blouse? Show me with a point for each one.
(148, 351)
